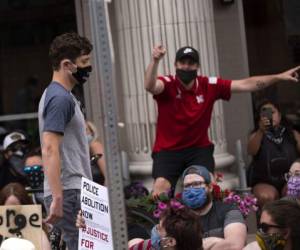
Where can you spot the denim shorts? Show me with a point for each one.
(71, 206)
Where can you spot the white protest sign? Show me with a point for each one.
(96, 213)
(25, 220)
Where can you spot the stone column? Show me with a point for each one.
(141, 24)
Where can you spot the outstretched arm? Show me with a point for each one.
(153, 85)
(260, 82)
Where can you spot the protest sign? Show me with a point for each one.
(96, 213)
(24, 220)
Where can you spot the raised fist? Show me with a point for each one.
(158, 52)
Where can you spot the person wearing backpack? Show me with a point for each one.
(274, 146)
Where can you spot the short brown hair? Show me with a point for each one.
(34, 152)
(68, 46)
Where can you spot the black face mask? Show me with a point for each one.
(82, 74)
(16, 162)
(186, 76)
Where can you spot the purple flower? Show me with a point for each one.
(139, 184)
(248, 201)
(242, 207)
(236, 198)
(162, 206)
(229, 198)
(226, 200)
(157, 213)
(175, 204)
(247, 211)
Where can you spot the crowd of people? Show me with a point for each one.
(70, 149)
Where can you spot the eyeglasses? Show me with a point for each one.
(264, 227)
(195, 184)
(291, 174)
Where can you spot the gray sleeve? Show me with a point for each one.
(57, 114)
(233, 216)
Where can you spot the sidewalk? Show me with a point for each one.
(251, 224)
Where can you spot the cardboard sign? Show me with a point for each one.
(25, 220)
(96, 213)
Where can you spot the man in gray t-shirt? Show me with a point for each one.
(63, 134)
(223, 224)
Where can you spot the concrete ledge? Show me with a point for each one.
(223, 160)
(140, 167)
(142, 170)
(145, 167)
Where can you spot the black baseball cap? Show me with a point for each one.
(187, 51)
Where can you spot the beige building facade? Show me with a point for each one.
(215, 29)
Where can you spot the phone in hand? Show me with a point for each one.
(268, 113)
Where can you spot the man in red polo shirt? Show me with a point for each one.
(185, 103)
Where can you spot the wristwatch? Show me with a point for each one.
(95, 157)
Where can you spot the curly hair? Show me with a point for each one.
(183, 225)
(68, 46)
(286, 213)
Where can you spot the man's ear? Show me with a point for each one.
(66, 64)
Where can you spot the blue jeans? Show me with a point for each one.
(71, 205)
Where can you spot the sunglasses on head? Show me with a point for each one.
(264, 227)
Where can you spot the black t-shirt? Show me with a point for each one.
(137, 231)
(219, 216)
(273, 160)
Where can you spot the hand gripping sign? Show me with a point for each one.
(96, 213)
(24, 221)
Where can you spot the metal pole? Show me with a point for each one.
(16, 117)
(103, 62)
(241, 166)
(125, 168)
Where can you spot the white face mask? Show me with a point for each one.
(90, 138)
(19, 153)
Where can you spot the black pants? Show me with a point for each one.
(171, 164)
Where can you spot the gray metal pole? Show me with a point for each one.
(103, 62)
(241, 166)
